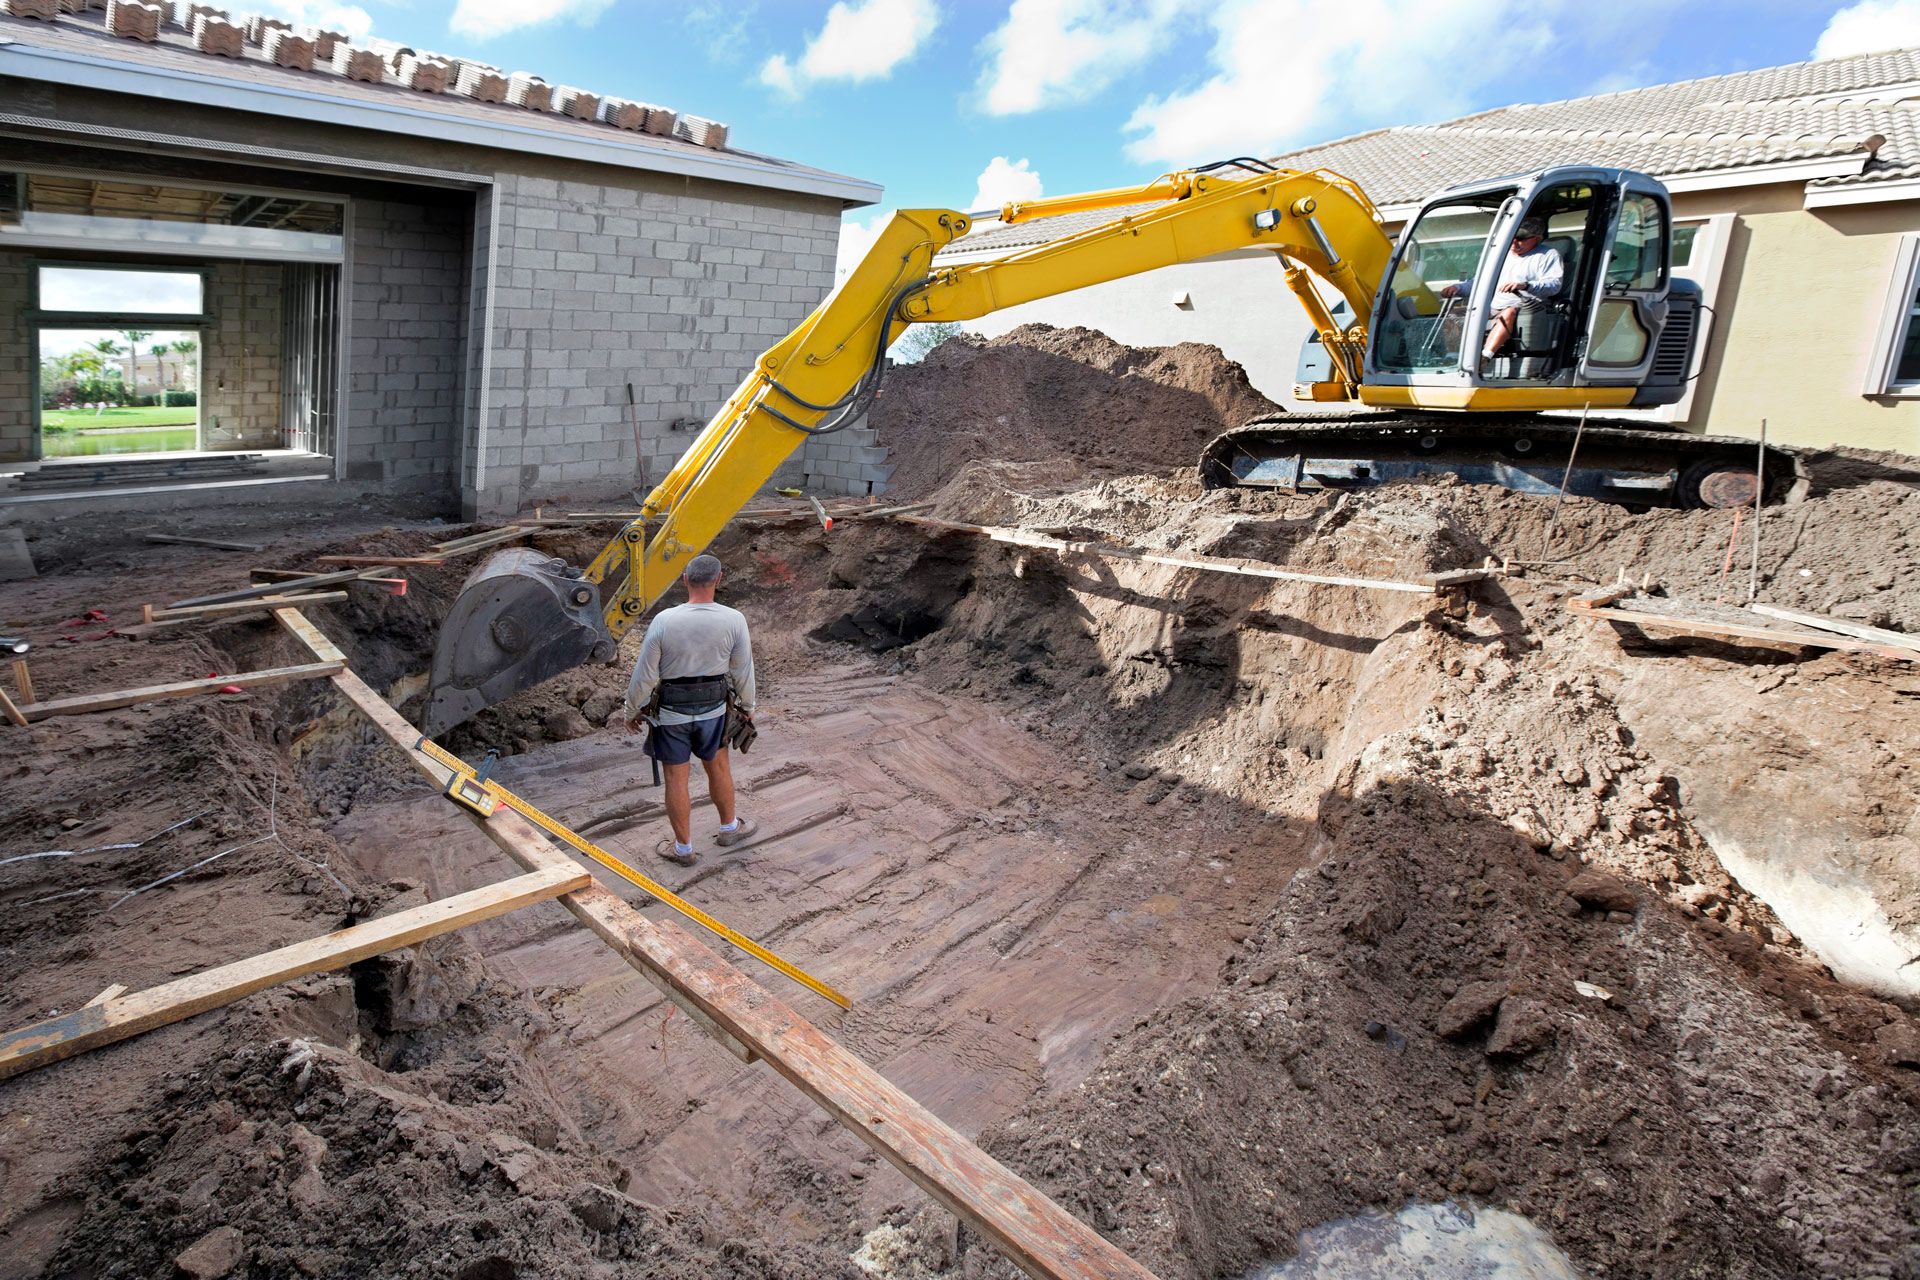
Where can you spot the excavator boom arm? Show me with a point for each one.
(520, 623)
(1317, 222)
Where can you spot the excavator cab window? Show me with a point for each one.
(1546, 334)
(1421, 331)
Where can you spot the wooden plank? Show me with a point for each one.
(1773, 635)
(1821, 622)
(316, 641)
(283, 586)
(216, 543)
(11, 711)
(380, 561)
(245, 606)
(1460, 577)
(1213, 564)
(23, 679)
(1600, 597)
(1037, 1234)
(121, 1017)
(87, 703)
(113, 992)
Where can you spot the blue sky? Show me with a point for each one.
(946, 102)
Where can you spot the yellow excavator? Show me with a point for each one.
(1397, 344)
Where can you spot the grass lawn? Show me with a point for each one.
(85, 444)
(87, 420)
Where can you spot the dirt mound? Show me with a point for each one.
(1072, 399)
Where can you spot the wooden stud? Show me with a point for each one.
(1773, 635)
(244, 606)
(1213, 564)
(87, 703)
(1821, 622)
(283, 586)
(215, 543)
(23, 679)
(380, 561)
(120, 1016)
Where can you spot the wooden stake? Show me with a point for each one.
(23, 679)
(116, 1017)
(10, 711)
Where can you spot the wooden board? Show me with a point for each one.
(1214, 564)
(87, 703)
(1042, 1238)
(120, 1017)
(215, 543)
(192, 612)
(380, 561)
(1840, 626)
(11, 711)
(1717, 629)
(283, 586)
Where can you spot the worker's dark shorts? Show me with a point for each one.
(679, 743)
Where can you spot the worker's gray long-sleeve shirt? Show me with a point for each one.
(693, 640)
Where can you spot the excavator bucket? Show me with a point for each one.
(521, 618)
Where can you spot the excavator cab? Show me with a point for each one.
(1617, 333)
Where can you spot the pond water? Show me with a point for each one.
(1427, 1241)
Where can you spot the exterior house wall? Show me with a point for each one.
(1795, 320)
(241, 348)
(17, 354)
(599, 285)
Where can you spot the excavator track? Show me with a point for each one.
(1617, 460)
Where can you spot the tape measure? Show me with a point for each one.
(473, 790)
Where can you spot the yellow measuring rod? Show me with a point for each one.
(470, 784)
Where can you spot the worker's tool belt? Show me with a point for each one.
(694, 695)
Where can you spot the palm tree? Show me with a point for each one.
(134, 338)
(184, 348)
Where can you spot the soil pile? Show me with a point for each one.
(1072, 399)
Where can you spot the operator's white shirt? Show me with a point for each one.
(1539, 270)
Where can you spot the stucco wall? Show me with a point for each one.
(1796, 318)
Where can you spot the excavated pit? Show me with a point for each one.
(1222, 909)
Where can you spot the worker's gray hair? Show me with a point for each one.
(703, 570)
(1531, 229)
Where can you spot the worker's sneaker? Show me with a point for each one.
(742, 828)
(671, 852)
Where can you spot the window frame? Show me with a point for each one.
(40, 318)
(1898, 311)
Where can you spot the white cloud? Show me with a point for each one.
(350, 20)
(860, 40)
(1050, 52)
(856, 237)
(1282, 76)
(1870, 26)
(1003, 180)
(484, 19)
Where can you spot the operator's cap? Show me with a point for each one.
(703, 569)
(1530, 229)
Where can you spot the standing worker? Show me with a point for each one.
(695, 660)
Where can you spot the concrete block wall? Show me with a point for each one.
(241, 354)
(406, 358)
(18, 442)
(850, 461)
(673, 289)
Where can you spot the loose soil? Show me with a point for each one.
(1218, 907)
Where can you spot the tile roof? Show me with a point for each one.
(1802, 111)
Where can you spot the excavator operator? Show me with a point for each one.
(1531, 274)
(692, 691)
